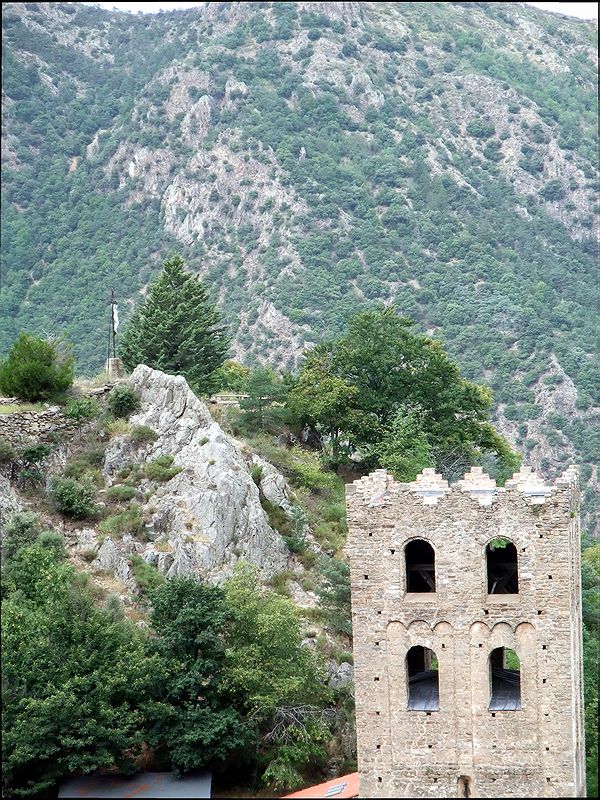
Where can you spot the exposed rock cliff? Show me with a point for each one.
(209, 515)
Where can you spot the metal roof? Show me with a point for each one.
(143, 785)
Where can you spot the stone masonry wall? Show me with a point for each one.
(21, 427)
(536, 751)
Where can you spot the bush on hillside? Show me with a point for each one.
(123, 401)
(22, 529)
(73, 498)
(36, 369)
(8, 454)
(82, 409)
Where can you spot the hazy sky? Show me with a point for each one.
(581, 10)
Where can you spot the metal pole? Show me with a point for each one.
(112, 322)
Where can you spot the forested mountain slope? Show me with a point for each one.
(309, 159)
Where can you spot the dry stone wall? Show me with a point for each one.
(465, 749)
(23, 426)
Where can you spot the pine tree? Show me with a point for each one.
(177, 329)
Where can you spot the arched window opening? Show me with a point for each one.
(502, 567)
(423, 681)
(505, 680)
(420, 566)
(464, 786)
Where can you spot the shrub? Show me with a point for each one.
(35, 453)
(129, 521)
(82, 409)
(8, 453)
(123, 401)
(36, 369)
(131, 474)
(73, 498)
(142, 433)
(308, 471)
(256, 473)
(480, 129)
(146, 575)
(114, 427)
(54, 541)
(121, 492)
(21, 530)
(278, 519)
(161, 469)
(553, 190)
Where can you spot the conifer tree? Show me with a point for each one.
(177, 329)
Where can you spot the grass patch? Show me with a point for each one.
(121, 493)
(15, 408)
(87, 465)
(146, 575)
(161, 469)
(143, 433)
(279, 582)
(129, 521)
(116, 427)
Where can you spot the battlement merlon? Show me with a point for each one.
(379, 488)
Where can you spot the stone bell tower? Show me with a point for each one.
(466, 609)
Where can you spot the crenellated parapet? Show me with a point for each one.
(379, 488)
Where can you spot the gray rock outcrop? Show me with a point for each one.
(209, 515)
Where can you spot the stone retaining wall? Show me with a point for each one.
(21, 427)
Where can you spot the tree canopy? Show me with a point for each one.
(36, 369)
(382, 388)
(177, 329)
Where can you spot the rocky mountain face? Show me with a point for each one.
(310, 159)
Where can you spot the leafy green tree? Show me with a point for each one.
(177, 329)
(333, 592)
(233, 376)
(384, 366)
(72, 679)
(194, 717)
(326, 402)
(591, 660)
(21, 530)
(404, 448)
(279, 683)
(263, 407)
(36, 369)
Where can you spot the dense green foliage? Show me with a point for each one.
(396, 396)
(590, 581)
(177, 330)
(21, 530)
(439, 160)
(262, 408)
(36, 369)
(73, 498)
(73, 680)
(222, 679)
(123, 401)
